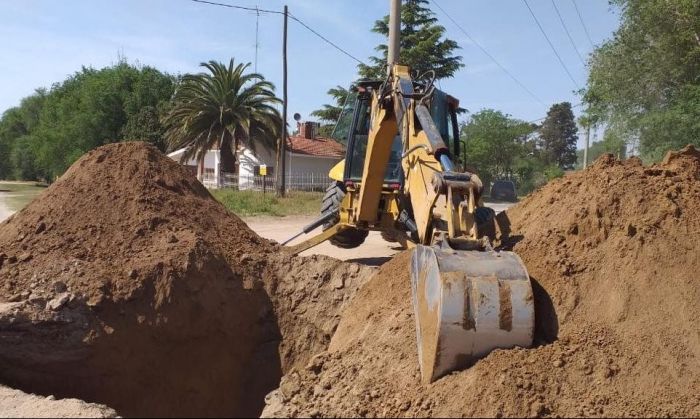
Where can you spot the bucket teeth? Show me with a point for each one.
(468, 303)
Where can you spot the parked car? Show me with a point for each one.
(504, 190)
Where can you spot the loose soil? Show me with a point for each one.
(613, 253)
(125, 283)
(16, 404)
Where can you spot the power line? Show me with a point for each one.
(588, 35)
(505, 70)
(296, 19)
(551, 45)
(256, 9)
(325, 39)
(568, 34)
(544, 117)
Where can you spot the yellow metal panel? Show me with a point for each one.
(381, 136)
(317, 239)
(419, 167)
(338, 171)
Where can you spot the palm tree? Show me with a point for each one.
(224, 107)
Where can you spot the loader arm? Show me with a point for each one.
(468, 299)
(398, 108)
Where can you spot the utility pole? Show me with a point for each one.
(394, 35)
(282, 145)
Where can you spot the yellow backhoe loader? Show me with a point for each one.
(399, 178)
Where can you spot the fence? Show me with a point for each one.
(317, 182)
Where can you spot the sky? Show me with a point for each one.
(44, 41)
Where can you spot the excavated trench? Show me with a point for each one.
(126, 284)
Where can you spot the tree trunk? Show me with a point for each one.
(228, 156)
(200, 169)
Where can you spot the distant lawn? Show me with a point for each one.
(249, 203)
(16, 195)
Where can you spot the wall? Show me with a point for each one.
(248, 161)
(300, 163)
(211, 166)
(300, 168)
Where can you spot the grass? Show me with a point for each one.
(16, 195)
(251, 203)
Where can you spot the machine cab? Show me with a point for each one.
(355, 121)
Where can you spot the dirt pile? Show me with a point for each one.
(14, 403)
(127, 284)
(613, 252)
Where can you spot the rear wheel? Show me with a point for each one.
(348, 238)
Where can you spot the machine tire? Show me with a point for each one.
(346, 239)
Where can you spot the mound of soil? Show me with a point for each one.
(14, 403)
(613, 252)
(126, 283)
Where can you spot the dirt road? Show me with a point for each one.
(375, 251)
(4, 210)
(16, 195)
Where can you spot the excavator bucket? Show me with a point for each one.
(467, 303)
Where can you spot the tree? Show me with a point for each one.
(558, 136)
(493, 144)
(644, 82)
(50, 129)
(611, 144)
(330, 114)
(222, 108)
(17, 159)
(423, 46)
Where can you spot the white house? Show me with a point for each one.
(308, 159)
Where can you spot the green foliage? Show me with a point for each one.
(248, 203)
(552, 172)
(51, 129)
(645, 81)
(500, 147)
(496, 145)
(222, 108)
(330, 114)
(558, 136)
(423, 46)
(23, 159)
(529, 173)
(611, 144)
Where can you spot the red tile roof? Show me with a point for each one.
(319, 147)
